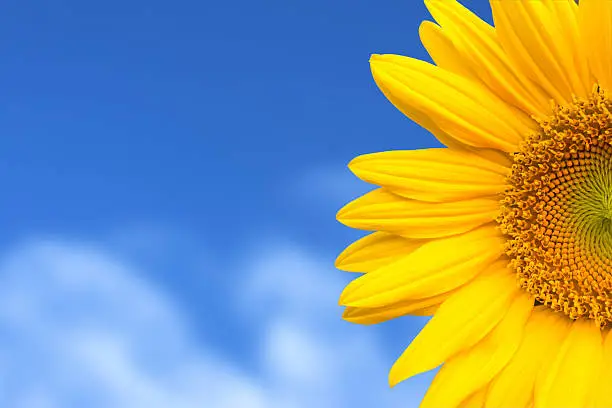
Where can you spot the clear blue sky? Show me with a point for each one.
(176, 134)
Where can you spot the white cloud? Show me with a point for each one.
(314, 353)
(85, 329)
(80, 327)
(291, 354)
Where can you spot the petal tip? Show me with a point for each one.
(394, 378)
(341, 214)
(341, 262)
(345, 296)
(353, 165)
(353, 296)
(375, 57)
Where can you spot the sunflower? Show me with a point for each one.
(504, 236)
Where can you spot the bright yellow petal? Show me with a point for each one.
(374, 251)
(513, 387)
(429, 310)
(602, 396)
(373, 315)
(460, 322)
(480, 49)
(474, 368)
(436, 267)
(443, 52)
(595, 22)
(532, 35)
(381, 210)
(569, 377)
(422, 119)
(567, 18)
(466, 111)
(432, 174)
(476, 400)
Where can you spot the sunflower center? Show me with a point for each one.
(557, 212)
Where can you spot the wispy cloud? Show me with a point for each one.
(309, 349)
(82, 327)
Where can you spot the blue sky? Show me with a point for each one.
(170, 174)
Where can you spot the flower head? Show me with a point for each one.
(505, 235)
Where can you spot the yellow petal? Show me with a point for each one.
(432, 174)
(532, 35)
(476, 400)
(374, 315)
(427, 311)
(513, 387)
(466, 111)
(460, 322)
(568, 379)
(443, 52)
(436, 267)
(483, 361)
(374, 251)
(595, 22)
(602, 396)
(423, 120)
(567, 18)
(480, 49)
(381, 210)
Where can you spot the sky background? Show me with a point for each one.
(170, 174)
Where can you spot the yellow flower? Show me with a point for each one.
(505, 235)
